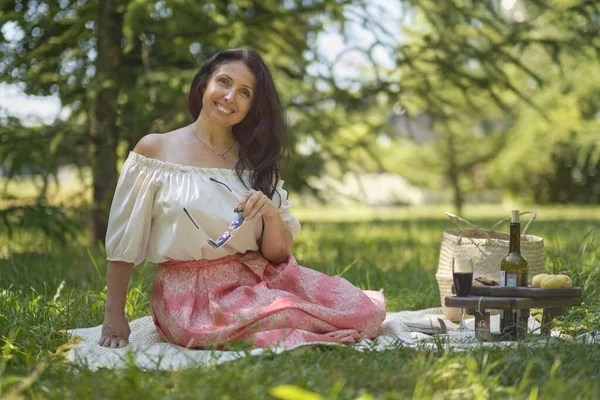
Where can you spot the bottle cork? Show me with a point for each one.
(514, 218)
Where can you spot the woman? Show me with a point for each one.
(178, 189)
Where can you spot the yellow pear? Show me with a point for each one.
(566, 281)
(537, 280)
(551, 282)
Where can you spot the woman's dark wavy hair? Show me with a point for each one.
(263, 133)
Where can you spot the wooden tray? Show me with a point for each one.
(507, 303)
(532, 293)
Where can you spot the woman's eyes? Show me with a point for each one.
(224, 81)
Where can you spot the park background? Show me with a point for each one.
(399, 110)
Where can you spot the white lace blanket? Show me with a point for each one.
(148, 351)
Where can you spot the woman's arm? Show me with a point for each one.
(277, 240)
(115, 330)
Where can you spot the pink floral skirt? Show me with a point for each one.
(243, 298)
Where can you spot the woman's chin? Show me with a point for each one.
(222, 121)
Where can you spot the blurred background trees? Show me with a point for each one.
(474, 96)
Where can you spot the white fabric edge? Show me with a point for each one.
(147, 351)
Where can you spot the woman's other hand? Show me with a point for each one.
(256, 204)
(115, 331)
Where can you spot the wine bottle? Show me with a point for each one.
(513, 272)
(514, 268)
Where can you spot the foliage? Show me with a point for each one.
(164, 42)
(456, 62)
(55, 48)
(475, 68)
(554, 157)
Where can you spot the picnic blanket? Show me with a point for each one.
(148, 351)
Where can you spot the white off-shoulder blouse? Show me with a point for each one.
(147, 220)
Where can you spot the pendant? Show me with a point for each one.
(223, 156)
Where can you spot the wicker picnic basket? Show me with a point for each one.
(487, 248)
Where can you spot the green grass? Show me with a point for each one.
(45, 289)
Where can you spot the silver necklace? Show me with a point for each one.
(221, 154)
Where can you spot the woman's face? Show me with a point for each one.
(229, 93)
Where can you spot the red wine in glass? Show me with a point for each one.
(462, 275)
(462, 283)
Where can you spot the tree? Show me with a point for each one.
(454, 59)
(554, 157)
(104, 125)
(463, 64)
(123, 67)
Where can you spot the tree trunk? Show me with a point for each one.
(103, 128)
(454, 176)
(457, 194)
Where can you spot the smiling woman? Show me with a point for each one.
(178, 189)
(227, 99)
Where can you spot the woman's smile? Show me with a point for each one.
(223, 109)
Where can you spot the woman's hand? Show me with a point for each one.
(115, 331)
(256, 204)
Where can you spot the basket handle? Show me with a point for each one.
(454, 218)
(521, 213)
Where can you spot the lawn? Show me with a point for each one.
(46, 288)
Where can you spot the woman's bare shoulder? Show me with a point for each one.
(150, 145)
(158, 145)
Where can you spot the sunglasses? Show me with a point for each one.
(227, 235)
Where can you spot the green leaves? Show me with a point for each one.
(462, 63)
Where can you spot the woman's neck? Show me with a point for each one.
(211, 134)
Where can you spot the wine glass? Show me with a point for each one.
(462, 275)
